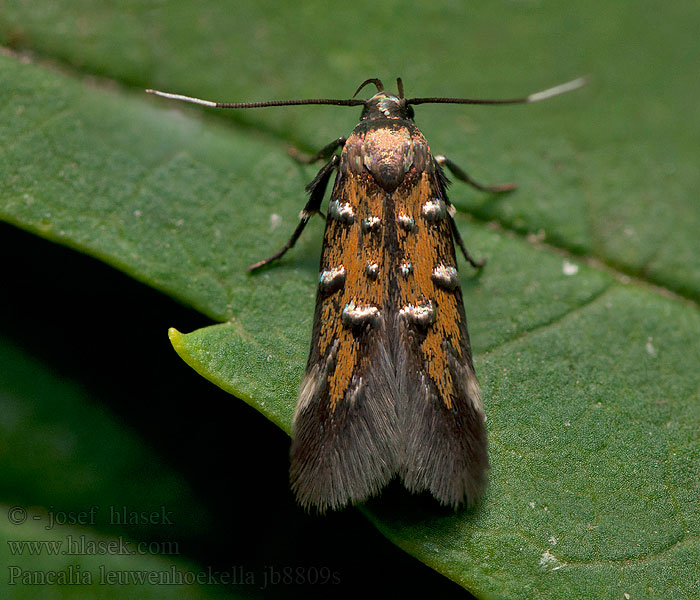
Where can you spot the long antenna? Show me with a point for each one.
(350, 102)
(536, 97)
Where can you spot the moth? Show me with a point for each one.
(390, 389)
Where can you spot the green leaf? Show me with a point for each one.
(590, 379)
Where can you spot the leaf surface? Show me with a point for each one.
(590, 378)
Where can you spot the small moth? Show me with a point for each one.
(390, 389)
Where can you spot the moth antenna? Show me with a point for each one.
(211, 104)
(557, 90)
(399, 85)
(375, 81)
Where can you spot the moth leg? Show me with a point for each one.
(323, 153)
(316, 190)
(477, 264)
(460, 174)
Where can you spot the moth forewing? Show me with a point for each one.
(345, 431)
(443, 418)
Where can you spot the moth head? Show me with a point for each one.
(384, 105)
